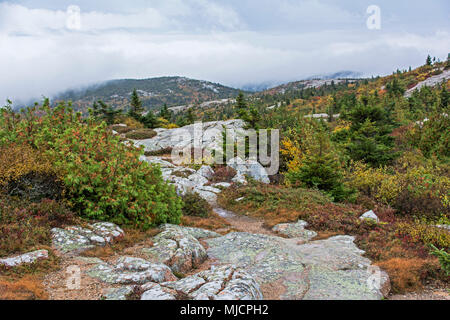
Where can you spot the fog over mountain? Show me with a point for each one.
(234, 43)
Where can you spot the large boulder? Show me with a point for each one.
(130, 270)
(25, 258)
(326, 269)
(249, 167)
(75, 239)
(178, 247)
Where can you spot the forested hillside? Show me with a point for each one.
(154, 92)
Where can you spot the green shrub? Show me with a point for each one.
(433, 138)
(196, 206)
(141, 134)
(103, 177)
(444, 259)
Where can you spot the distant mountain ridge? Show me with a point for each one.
(181, 91)
(154, 92)
(267, 85)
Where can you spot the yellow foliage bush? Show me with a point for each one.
(424, 233)
(374, 182)
(410, 182)
(131, 123)
(296, 145)
(18, 160)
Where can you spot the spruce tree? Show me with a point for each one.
(165, 113)
(136, 108)
(370, 139)
(445, 98)
(108, 113)
(190, 117)
(241, 106)
(150, 120)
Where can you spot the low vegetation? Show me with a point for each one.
(102, 178)
(398, 244)
(140, 134)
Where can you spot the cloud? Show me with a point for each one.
(199, 39)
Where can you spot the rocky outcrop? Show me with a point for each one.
(245, 266)
(211, 136)
(75, 239)
(189, 180)
(179, 247)
(324, 269)
(295, 230)
(430, 82)
(249, 167)
(25, 258)
(219, 283)
(130, 270)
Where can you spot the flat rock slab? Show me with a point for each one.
(75, 239)
(178, 247)
(324, 269)
(122, 293)
(130, 270)
(25, 258)
(219, 283)
(295, 230)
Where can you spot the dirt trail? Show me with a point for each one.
(243, 223)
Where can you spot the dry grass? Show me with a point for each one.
(212, 222)
(26, 288)
(121, 129)
(408, 275)
(140, 134)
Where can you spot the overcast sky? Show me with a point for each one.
(234, 42)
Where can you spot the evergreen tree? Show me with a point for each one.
(445, 98)
(190, 117)
(96, 112)
(136, 108)
(108, 113)
(150, 120)
(321, 169)
(429, 62)
(241, 106)
(102, 111)
(395, 88)
(165, 113)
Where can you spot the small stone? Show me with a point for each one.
(221, 185)
(295, 230)
(369, 215)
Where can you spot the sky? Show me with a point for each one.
(45, 48)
